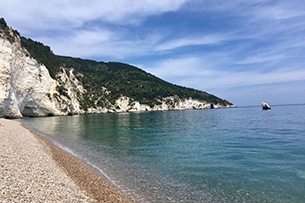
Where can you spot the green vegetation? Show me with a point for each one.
(42, 54)
(119, 78)
(6, 32)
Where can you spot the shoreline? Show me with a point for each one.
(88, 180)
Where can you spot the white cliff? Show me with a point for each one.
(67, 92)
(176, 103)
(24, 83)
(27, 88)
(125, 104)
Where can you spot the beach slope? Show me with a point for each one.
(33, 169)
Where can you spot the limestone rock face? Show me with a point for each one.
(24, 83)
(125, 104)
(176, 103)
(67, 92)
(27, 88)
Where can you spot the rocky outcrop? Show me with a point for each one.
(176, 103)
(25, 84)
(125, 104)
(27, 89)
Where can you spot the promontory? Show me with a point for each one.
(36, 82)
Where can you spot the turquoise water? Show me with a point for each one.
(217, 155)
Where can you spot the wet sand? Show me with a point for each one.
(33, 169)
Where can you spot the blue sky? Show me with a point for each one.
(243, 51)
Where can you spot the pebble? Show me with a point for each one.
(29, 172)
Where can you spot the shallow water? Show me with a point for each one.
(216, 155)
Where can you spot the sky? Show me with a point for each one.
(243, 51)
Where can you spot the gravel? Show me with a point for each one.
(33, 169)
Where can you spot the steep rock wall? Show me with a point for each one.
(24, 83)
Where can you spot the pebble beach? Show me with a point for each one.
(33, 169)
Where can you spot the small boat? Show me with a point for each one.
(265, 106)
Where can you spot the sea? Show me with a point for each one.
(242, 154)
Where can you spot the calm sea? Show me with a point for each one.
(241, 154)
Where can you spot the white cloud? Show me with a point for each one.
(67, 14)
(281, 10)
(93, 29)
(259, 59)
(224, 6)
(203, 74)
(190, 41)
(93, 37)
(258, 9)
(101, 44)
(176, 68)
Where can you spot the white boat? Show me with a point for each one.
(265, 106)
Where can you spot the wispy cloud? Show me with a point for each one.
(259, 59)
(203, 74)
(283, 10)
(191, 41)
(102, 44)
(50, 15)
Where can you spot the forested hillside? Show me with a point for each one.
(119, 78)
